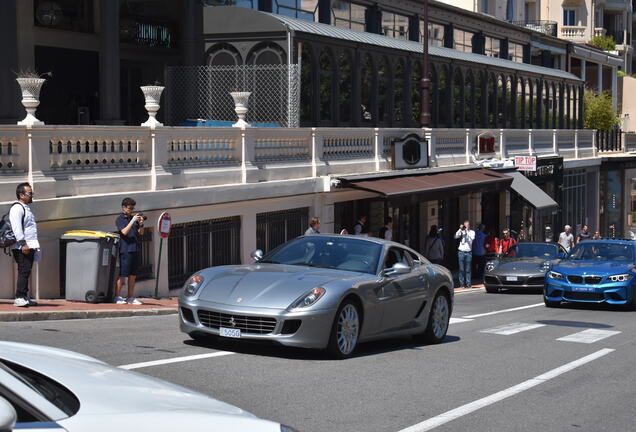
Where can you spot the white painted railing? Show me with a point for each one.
(81, 160)
(572, 32)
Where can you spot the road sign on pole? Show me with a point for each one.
(164, 226)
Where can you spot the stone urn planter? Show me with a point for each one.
(152, 94)
(30, 99)
(240, 106)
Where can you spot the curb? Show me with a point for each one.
(83, 314)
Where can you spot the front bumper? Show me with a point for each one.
(313, 332)
(534, 281)
(616, 293)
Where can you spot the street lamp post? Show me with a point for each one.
(425, 115)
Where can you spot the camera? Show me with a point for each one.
(463, 227)
(143, 216)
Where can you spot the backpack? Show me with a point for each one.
(7, 237)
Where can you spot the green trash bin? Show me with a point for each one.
(91, 258)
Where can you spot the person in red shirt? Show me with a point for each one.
(491, 244)
(506, 243)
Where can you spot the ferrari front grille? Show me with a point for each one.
(247, 324)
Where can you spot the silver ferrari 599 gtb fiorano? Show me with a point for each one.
(322, 291)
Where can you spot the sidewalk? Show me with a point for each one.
(65, 309)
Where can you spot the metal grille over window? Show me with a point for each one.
(198, 245)
(275, 228)
(203, 92)
(145, 265)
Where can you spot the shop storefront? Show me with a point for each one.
(534, 213)
(615, 185)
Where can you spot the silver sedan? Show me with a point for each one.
(322, 291)
(44, 388)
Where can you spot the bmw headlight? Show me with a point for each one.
(308, 299)
(620, 277)
(192, 285)
(555, 275)
(545, 266)
(490, 265)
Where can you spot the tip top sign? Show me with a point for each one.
(526, 163)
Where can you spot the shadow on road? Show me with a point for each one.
(269, 349)
(594, 306)
(517, 291)
(574, 324)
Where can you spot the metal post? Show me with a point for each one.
(158, 268)
(425, 115)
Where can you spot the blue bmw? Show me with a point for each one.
(596, 271)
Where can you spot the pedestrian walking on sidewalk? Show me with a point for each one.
(26, 250)
(434, 247)
(479, 251)
(466, 238)
(131, 228)
(360, 227)
(314, 226)
(506, 242)
(386, 232)
(584, 234)
(566, 239)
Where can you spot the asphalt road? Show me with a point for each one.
(498, 370)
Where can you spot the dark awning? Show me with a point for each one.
(530, 191)
(436, 185)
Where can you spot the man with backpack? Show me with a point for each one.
(26, 235)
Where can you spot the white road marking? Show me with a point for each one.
(463, 410)
(509, 329)
(589, 336)
(458, 320)
(175, 360)
(503, 311)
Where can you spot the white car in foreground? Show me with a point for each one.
(50, 389)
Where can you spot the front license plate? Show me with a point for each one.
(582, 289)
(230, 332)
(512, 278)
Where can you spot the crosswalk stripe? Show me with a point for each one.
(589, 336)
(509, 329)
(454, 320)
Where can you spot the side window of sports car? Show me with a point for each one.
(396, 255)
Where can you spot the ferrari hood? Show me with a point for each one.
(273, 286)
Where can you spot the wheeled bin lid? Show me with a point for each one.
(88, 235)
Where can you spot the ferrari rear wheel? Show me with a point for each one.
(438, 320)
(345, 330)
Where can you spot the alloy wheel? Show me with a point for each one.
(348, 328)
(440, 314)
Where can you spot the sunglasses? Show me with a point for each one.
(28, 193)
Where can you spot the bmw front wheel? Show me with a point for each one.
(345, 331)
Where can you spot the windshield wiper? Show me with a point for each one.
(268, 262)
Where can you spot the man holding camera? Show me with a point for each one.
(466, 237)
(131, 228)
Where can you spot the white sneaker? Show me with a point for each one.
(133, 300)
(119, 300)
(21, 302)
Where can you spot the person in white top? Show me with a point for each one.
(466, 237)
(26, 233)
(566, 238)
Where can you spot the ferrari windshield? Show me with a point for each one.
(602, 251)
(533, 250)
(342, 253)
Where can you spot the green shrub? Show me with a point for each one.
(599, 112)
(606, 43)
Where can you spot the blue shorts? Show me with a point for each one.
(128, 263)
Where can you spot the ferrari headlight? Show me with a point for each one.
(308, 299)
(192, 285)
(620, 277)
(490, 265)
(555, 275)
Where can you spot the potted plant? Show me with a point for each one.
(30, 83)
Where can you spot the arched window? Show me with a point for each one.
(492, 101)
(326, 85)
(469, 100)
(479, 99)
(367, 89)
(266, 53)
(345, 64)
(443, 93)
(384, 98)
(224, 54)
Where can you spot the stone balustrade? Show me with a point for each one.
(572, 32)
(84, 160)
